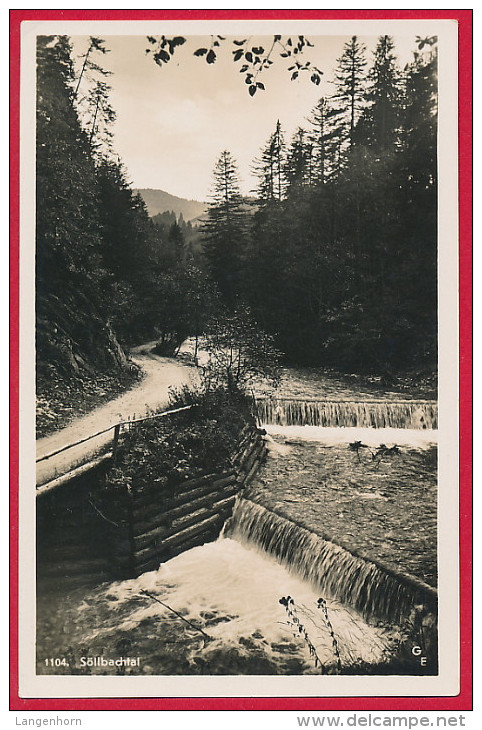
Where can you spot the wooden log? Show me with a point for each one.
(228, 478)
(146, 508)
(162, 533)
(191, 484)
(194, 530)
(184, 509)
(243, 443)
(165, 517)
(201, 501)
(245, 452)
(73, 474)
(184, 540)
(148, 553)
(186, 497)
(248, 460)
(210, 535)
(148, 565)
(246, 477)
(176, 490)
(144, 539)
(259, 448)
(164, 546)
(224, 504)
(254, 469)
(147, 524)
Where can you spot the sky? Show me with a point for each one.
(173, 122)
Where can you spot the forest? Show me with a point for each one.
(334, 255)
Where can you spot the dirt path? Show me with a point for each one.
(161, 374)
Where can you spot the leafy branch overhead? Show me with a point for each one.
(253, 59)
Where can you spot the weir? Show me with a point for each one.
(374, 590)
(420, 414)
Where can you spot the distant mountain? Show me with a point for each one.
(158, 201)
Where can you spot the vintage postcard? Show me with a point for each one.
(241, 243)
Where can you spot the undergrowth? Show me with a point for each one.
(162, 452)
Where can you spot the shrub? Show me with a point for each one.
(161, 452)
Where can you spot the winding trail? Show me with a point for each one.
(161, 374)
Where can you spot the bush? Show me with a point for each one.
(161, 452)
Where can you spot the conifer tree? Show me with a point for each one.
(382, 117)
(350, 82)
(68, 241)
(89, 67)
(225, 230)
(269, 168)
(299, 170)
(326, 138)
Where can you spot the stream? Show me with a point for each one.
(233, 607)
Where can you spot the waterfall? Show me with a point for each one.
(421, 414)
(375, 591)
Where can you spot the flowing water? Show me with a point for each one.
(229, 591)
(329, 568)
(248, 602)
(359, 414)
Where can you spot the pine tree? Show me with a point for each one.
(350, 81)
(92, 99)
(299, 168)
(176, 240)
(89, 67)
(326, 138)
(68, 241)
(225, 230)
(128, 234)
(99, 118)
(382, 117)
(269, 168)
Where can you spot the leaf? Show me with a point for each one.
(237, 55)
(277, 38)
(260, 85)
(252, 90)
(294, 75)
(200, 51)
(249, 56)
(211, 57)
(258, 50)
(239, 43)
(151, 39)
(162, 56)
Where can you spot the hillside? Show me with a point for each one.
(158, 201)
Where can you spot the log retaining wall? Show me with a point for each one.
(157, 526)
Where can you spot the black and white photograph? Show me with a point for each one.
(240, 314)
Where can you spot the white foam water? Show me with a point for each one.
(333, 436)
(232, 592)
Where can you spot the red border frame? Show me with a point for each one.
(463, 701)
